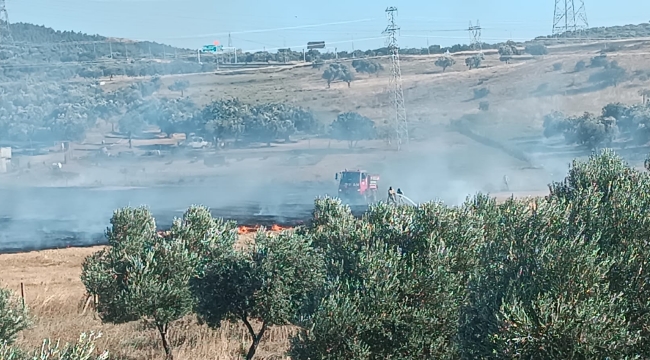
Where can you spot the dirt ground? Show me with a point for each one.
(56, 297)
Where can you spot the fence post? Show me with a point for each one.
(22, 293)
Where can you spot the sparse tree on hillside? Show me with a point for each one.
(338, 71)
(267, 282)
(179, 85)
(367, 66)
(536, 49)
(444, 62)
(599, 61)
(352, 127)
(507, 50)
(140, 275)
(580, 66)
(474, 62)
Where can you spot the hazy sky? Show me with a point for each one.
(291, 23)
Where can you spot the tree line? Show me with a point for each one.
(43, 53)
(68, 111)
(617, 122)
(556, 277)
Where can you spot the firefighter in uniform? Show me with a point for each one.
(400, 194)
(391, 196)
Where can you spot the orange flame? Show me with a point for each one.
(251, 229)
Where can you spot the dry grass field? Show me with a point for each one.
(55, 296)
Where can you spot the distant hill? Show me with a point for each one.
(608, 32)
(40, 52)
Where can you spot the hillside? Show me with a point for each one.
(43, 53)
(497, 110)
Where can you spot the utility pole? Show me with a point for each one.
(110, 48)
(568, 18)
(5, 30)
(475, 36)
(395, 82)
(230, 47)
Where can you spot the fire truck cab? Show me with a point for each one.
(357, 185)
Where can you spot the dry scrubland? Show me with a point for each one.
(56, 297)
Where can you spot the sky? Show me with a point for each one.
(344, 25)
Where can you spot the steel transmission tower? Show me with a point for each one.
(475, 36)
(568, 18)
(5, 31)
(395, 82)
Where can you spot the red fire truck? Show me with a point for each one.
(358, 186)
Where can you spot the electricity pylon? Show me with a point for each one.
(395, 82)
(568, 18)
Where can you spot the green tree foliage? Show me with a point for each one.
(83, 349)
(338, 71)
(558, 277)
(536, 49)
(507, 50)
(179, 85)
(611, 74)
(367, 66)
(474, 62)
(352, 127)
(599, 61)
(13, 317)
(580, 66)
(141, 275)
(231, 118)
(616, 122)
(444, 62)
(267, 282)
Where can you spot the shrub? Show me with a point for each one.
(13, 317)
(484, 106)
(580, 66)
(367, 66)
(84, 349)
(599, 61)
(536, 49)
(444, 62)
(557, 66)
(480, 92)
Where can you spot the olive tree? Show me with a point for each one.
(179, 85)
(444, 62)
(268, 282)
(141, 275)
(352, 127)
(13, 317)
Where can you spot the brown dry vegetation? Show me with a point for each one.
(56, 297)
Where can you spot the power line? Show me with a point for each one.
(567, 18)
(395, 81)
